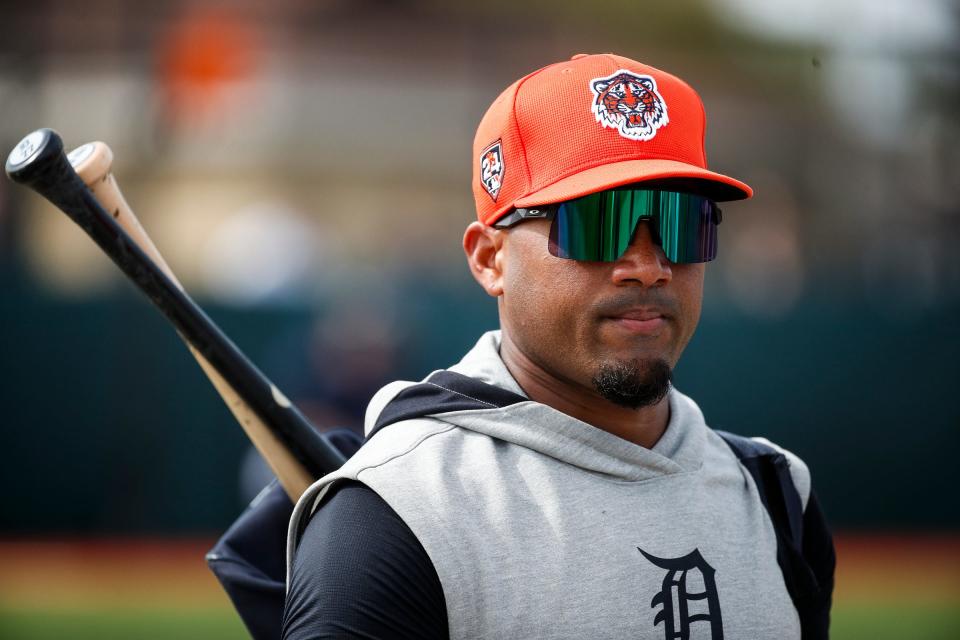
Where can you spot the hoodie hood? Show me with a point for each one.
(480, 395)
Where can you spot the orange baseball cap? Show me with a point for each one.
(589, 124)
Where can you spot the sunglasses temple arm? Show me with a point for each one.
(519, 215)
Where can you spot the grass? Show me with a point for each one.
(887, 621)
(117, 624)
(876, 621)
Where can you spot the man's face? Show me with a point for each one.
(577, 319)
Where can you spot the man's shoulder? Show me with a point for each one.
(799, 472)
(396, 442)
(798, 469)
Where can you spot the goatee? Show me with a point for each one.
(633, 383)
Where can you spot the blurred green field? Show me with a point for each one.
(887, 588)
(882, 621)
(876, 621)
(218, 623)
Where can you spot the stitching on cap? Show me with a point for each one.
(516, 121)
(703, 128)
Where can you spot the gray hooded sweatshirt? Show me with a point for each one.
(543, 526)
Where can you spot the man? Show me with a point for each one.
(553, 484)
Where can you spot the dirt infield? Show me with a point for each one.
(77, 574)
(898, 568)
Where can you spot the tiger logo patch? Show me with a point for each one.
(629, 103)
(491, 169)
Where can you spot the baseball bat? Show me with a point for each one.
(93, 162)
(293, 448)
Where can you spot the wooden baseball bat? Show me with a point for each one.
(93, 162)
(84, 188)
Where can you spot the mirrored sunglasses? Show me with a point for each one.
(600, 226)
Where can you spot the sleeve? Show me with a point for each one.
(360, 572)
(818, 551)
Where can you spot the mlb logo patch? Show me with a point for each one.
(491, 169)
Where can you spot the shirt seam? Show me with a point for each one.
(406, 451)
(460, 393)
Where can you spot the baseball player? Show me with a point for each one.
(553, 483)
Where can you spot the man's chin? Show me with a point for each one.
(633, 383)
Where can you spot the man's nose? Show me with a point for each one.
(643, 262)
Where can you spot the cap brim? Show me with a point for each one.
(715, 186)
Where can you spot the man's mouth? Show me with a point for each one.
(646, 321)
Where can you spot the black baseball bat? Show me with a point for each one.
(39, 162)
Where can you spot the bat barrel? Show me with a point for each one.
(39, 162)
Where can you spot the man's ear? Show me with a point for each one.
(483, 246)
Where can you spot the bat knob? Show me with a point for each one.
(81, 154)
(92, 162)
(35, 156)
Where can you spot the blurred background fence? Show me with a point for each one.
(305, 168)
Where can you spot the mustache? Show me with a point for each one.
(628, 300)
